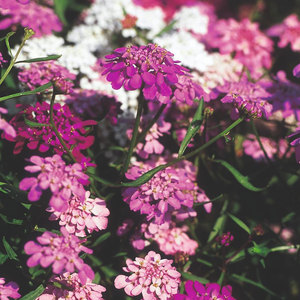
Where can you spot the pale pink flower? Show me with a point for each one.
(153, 277)
(76, 290)
(8, 290)
(5, 126)
(60, 251)
(251, 46)
(91, 214)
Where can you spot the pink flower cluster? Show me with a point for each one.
(95, 105)
(65, 181)
(170, 191)
(9, 289)
(251, 47)
(249, 99)
(152, 145)
(90, 214)
(73, 289)
(288, 32)
(253, 149)
(212, 291)
(43, 138)
(41, 19)
(5, 126)
(170, 239)
(153, 69)
(62, 251)
(153, 277)
(43, 72)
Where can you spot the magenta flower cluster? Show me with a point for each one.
(250, 100)
(8, 290)
(152, 69)
(60, 251)
(43, 72)
(65, 181)
(212, 291)
(90, 214)
(41, 19)
(225, 239)
(170, 191)
(73, 289)
(153, 277)
(71, 128)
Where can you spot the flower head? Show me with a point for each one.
(152, 276)
(8, 290)
(60, 251)
(90, 214)
(151, 68)
(73, 288)
(9, 131)
(65, 181)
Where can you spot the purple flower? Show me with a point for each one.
(152, 69)
(5, 126)
(212, 291)
(249, 99)
(60, 251)
(296, 71)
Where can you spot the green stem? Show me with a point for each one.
(28, 34)
(151, 123)
(134, 135)
(56, 130)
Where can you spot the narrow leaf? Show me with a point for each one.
(240, 223)
(193, 127)
(60, 7)
(37, 90)
(34, 124)
(34, 294)
(101, 239)
(204, 262)
(243, 180)
(46, 58)
(166, 29)
(193, 277)
(218, 227)
(9, 250)
(254, 283)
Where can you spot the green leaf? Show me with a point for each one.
(288, 217)
(240, 223)
(166, 29)
(34, 294)
(46, 58)
(37, 90)
(204, 262)
(257, 284)
(120, 254)
(108, 271)
(101, 239)
(193, 128)
(60, 7)
(218, 227)
(12, 222)
(193, 277)
(9, 250)
(243, 180)
(35, 124)
(3, 258)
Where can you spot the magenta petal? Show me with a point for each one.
(172, 78)
(165, 90)
(135, 82)
(113, 76)
(27, 183)
(46, 261)
(32, 247)
(130, 71)
(150, 92)
(296, 71)
(34, 260)
(34, 193)
(148, 78)
(160, 79)
(118, 84)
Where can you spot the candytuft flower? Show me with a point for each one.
(9, 289)
(60, 251)
(152, 69)
(153, 277)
